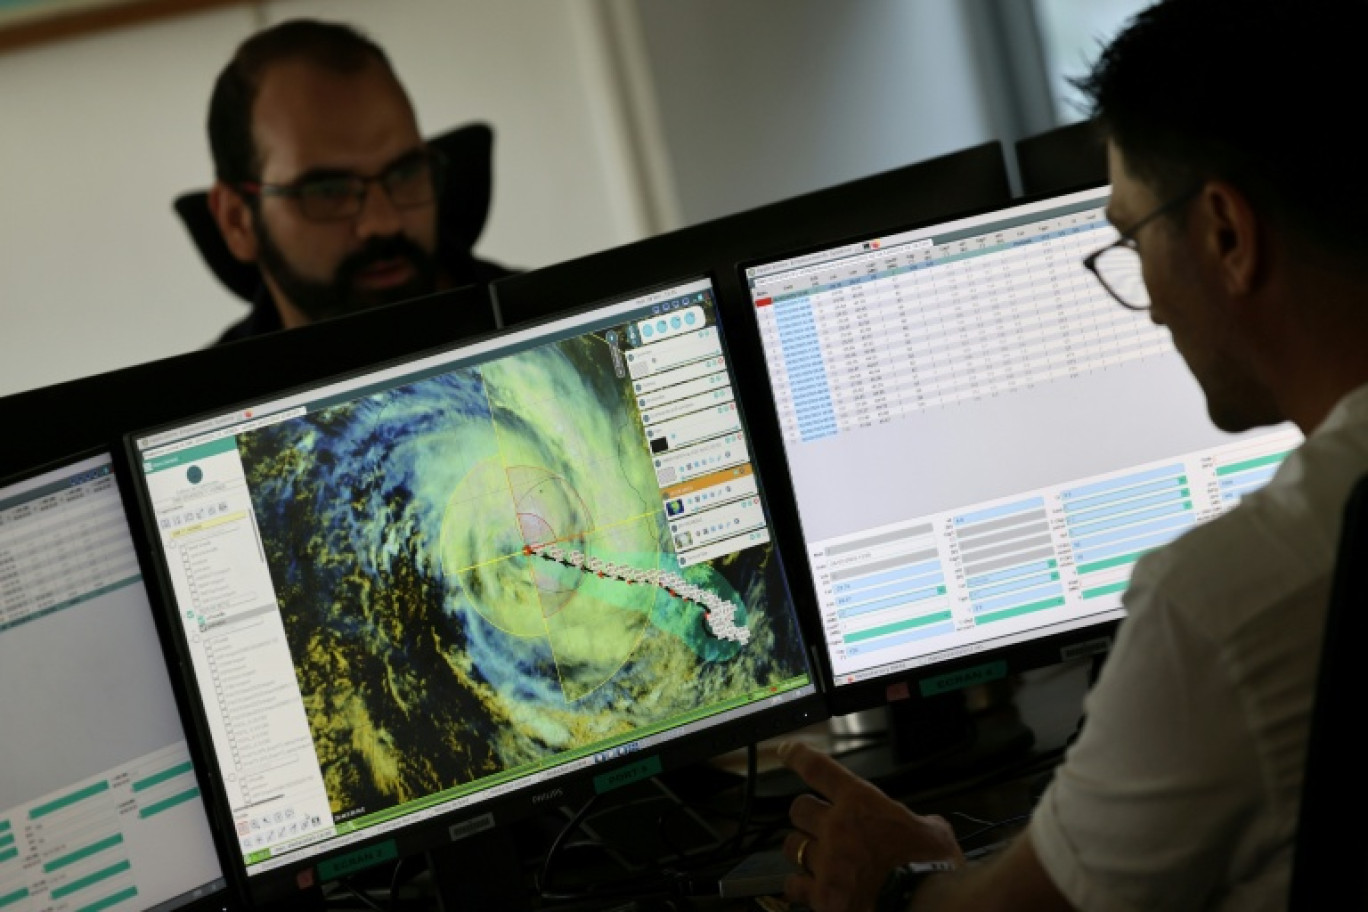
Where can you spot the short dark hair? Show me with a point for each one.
(1264, 94)
(329, 45)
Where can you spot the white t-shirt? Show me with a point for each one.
(1183, 788)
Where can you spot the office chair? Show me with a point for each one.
(462, 209)
(1330, 858)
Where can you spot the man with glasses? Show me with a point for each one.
(1240, 195)
(323, 180)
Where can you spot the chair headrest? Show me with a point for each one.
(462, 210)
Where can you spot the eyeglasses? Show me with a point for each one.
(1117, 266)
(415, 180)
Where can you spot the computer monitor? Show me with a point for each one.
(980, 443)
(420, 601)
(100, 805)
(1064, 158)
(962, 181)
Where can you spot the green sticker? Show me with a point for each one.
(359, 860)
(965, 677)
(643, 769)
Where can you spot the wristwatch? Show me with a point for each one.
(903, 882)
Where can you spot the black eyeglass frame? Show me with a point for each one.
(297, 190)
(1127, 240)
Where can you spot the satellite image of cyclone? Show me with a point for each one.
(436, 641)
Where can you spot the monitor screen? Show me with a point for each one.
(100, 806)
(435, 590)
(981, 442)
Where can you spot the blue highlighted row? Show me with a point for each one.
(899, 639)
(1035, 503)
(1235, 492)
(1130, 519)
(1098, 487)
(1159, 525)
(934, 578)
(1084, 503)
(897, 601)
(1115, 508)
(911, 571)
(1019, 597)
(1256, 478)
(1127, 546)
(1021, 582)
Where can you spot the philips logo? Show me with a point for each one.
(549, 795)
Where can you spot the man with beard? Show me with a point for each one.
(323, 180)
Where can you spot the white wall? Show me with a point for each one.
(99, 134)
(765, 99)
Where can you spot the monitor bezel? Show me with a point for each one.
(932, 679)
(445, 828)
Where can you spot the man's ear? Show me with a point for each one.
(1232, 236)
(234, 220)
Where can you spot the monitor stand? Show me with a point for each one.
(931, 742)
(479, 873)
(943, 739)
(636, 827)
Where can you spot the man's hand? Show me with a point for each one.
(848, 843)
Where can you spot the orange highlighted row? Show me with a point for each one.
(707, 481)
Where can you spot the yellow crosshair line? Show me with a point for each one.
(496, 560)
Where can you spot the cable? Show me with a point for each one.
(544, 877)
(988, 827)
(365, 900)
(396, 881)
(747, 800)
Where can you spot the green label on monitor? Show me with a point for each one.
(644, 769)
(359, 860)
(187, 456)
(965, 677)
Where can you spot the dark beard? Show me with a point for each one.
(340, 296)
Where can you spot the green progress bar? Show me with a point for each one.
(6, 840)
(110, 900)
(90, 879)
(159, 778)
(1251, 464)
(1019, 609)
(153, 809)
(4, 825)
(1105, 590)
(58, 863)
(1113, 561)
(11, 898)
(43, 810)
(901, 625)
(7, 854)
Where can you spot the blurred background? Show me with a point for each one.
(613, 120)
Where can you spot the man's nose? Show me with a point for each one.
(379, 217)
